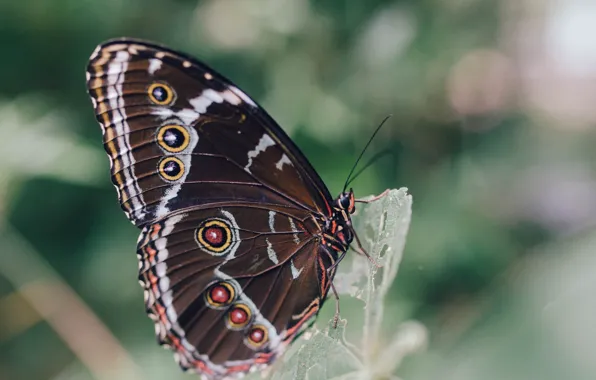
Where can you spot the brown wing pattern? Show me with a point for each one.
(178, 135)
(226, 310)
(230, 256)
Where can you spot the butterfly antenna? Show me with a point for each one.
(372, 160)
(348, 180)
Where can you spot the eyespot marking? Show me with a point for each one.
(215, 236)
(160, 94)
(257, 336)
(173, 138)
(171, 168)
(239, 316)
(220, 295)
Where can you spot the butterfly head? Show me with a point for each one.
(346, 202)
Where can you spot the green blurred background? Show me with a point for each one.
(493, 105)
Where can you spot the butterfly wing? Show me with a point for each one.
(230, 256)
(230, 287)
(178, 134)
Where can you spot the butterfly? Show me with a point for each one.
(240, 236)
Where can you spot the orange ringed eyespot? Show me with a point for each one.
(257, 336)
(160, 94)
(215, 236)
(220, 294)
(173, 138)
(171, 168)
(239, 316)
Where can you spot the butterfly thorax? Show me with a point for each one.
(338, 232)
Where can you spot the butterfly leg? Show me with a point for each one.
(362, 251)
(336, 316)
(336, 263)
(373, 199)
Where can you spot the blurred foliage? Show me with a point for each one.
(492, 132)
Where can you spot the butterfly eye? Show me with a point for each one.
(173, 138)
(220, 295)
(160, 94)
(257, 336)
(344, 201)
(214, 236)
(239, 316)
(171, 168)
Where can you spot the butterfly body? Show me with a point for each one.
(240, 236)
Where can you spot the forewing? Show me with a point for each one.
(178, 135)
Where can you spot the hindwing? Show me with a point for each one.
(230, 287)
